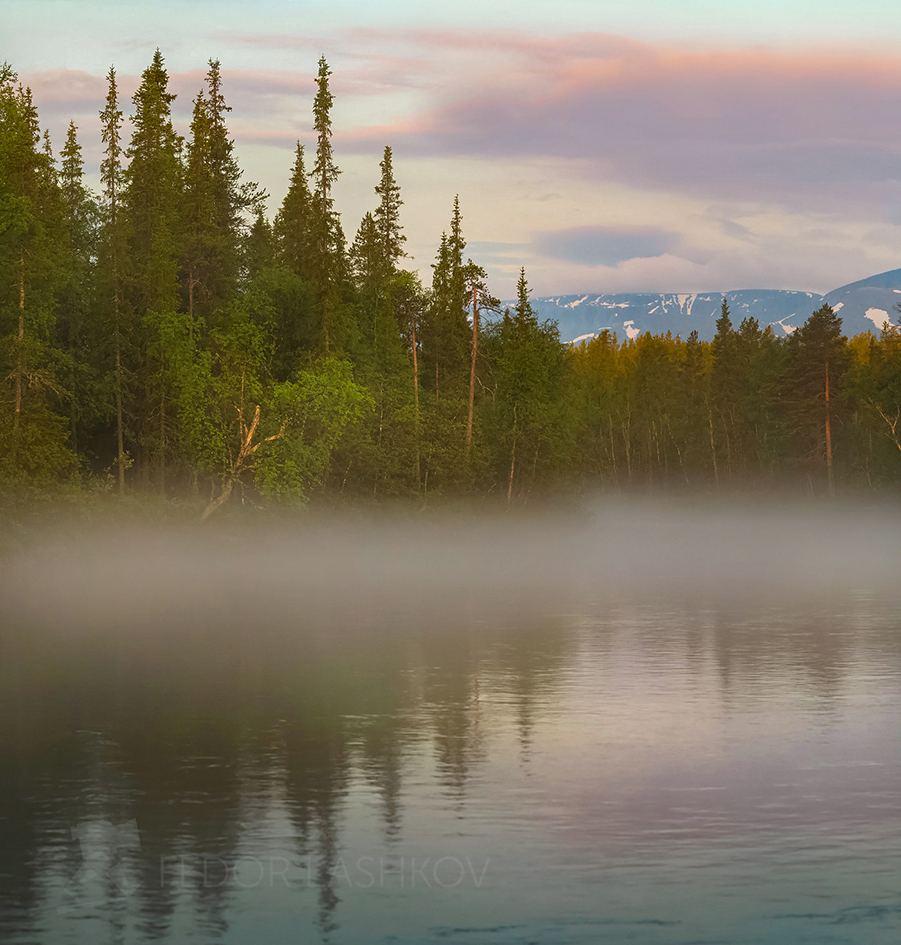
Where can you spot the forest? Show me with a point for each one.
(166, 337)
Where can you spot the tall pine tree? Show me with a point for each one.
(387, 215)
(328, 264)
(152, 199)
(112, 262)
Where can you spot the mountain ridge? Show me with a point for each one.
(864, 305)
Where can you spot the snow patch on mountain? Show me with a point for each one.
(788, 329)
(879, 317)
(864, 305)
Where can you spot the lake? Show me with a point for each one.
(651, 726)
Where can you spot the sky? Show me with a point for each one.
(605, 145)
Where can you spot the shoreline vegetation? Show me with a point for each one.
(167, 351)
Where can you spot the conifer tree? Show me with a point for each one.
(32, 254)
(327, 237)
(525, 416)
(112, 248)
(293, 225)
(217, 202)
(725, 381)
(152, 198)
(299, 301)
(366, 256)
(694, 434)
(446, 338)
(231, 198)
(72, 323)
(324, 172)
(259, 247)
(455, 245)
(475, 281)
(199, 215)
(818, 363)
(387, 215)
(72, 181)
(151, 195)
(378, 323)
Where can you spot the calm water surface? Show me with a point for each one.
(252, 758)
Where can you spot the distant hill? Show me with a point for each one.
(863, 306)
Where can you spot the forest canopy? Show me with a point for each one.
(166, 336)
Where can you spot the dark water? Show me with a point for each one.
(466, 737)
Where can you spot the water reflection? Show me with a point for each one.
(625, 761)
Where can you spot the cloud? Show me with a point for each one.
(741, 124)
(66, 91)
(806, 130)
(604, 245)
(734, 230)
(777, 167)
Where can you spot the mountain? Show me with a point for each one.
(863, 306)
(867, 305)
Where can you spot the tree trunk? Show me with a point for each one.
(221, 499)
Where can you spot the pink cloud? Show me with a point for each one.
(809, 129)
(737, 123)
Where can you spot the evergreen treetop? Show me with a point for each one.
(387, 214)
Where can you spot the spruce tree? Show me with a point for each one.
(367, 257)
(72, 323)
(259, 246)
(200, 234)
(819, 359)
(327, 238)
(218, 204)
(324, 172)
(293, 227)
(152, 199)
(475, 282)
(446, 344)
(725, 383)
(112, 258)
(387, 215)
(695, 444)
(32, 263)
(455, 246)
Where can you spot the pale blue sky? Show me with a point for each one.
(763, 136)
(45, 33)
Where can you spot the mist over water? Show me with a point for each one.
(649, 723)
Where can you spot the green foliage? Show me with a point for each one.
(446, 332)
(307, 417)
(35, 260)
(169, 335)
(387, 215)
(527, 414)
(293, 222)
